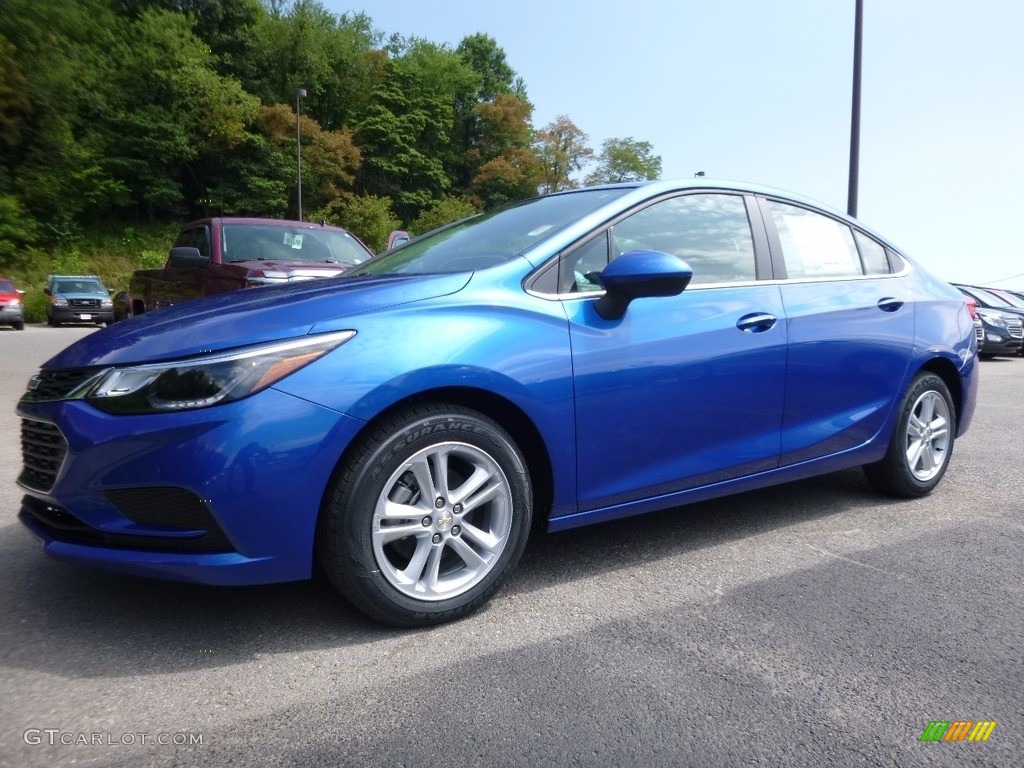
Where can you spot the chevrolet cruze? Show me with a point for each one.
(573, 358)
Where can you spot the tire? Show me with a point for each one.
(51, 322)
(19, 325)
(922, 442)
(409, 558)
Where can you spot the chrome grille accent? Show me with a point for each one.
(1015, 327)
(56, 385)
(43, 449)
(84, 303)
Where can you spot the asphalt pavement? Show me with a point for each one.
(811, 624)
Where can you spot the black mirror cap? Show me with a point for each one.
(638, 274)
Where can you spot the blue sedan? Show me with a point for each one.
(573, 358)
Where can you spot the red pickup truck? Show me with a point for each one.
(213, 256)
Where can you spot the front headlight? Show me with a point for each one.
(204, 381)
(106, 303)
(991, 319)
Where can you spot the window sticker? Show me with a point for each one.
(821, 246)
(295, 241)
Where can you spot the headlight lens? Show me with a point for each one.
(991, 319)
(201, 382)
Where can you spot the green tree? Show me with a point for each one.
(482, 54)
(64, 61)
(625, 160)
(563, 152)
(173, 114)
(444, 211)
(406, 133)
(369, 217)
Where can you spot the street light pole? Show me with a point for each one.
(858, 34)
(300, 93)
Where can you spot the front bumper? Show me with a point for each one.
(12, 315)
(82, 315)
(227, 495)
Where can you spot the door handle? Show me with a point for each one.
(889, 304)
(756, 322)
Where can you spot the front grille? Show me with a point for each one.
(55, 385)
(43, 449)
(979, 332)
(84, 303)
(1015, 328)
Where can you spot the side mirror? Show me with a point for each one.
(636, 274)
(186, 257)
(20, 292)
(47, 291)
(397, 238)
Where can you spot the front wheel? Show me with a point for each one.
(922, 442)
(428, 517)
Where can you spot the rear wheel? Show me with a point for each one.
(19, 325)
(428, 518)
(922, 442)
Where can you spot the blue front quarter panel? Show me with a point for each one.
(516, 348)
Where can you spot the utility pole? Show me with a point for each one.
(858, 34)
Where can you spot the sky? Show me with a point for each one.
(760, 91)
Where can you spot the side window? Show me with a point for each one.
(198, 237)
(185, 239)
(202, 241)
(814, 245)
(710, 232)
(580, 269)
(872, 255)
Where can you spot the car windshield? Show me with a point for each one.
(990, 298)
(254, 242)
(1012, 300)
(490, 238)
(6, 286)
(78, 286)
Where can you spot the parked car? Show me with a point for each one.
(12, 310)
(77, 299)
(569, 359)
(1004, 323)
(219, 255)
(1011, 298)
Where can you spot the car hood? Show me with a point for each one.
(248, 317)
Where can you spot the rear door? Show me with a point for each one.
(850, 328)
